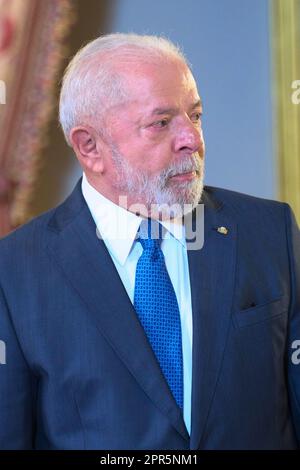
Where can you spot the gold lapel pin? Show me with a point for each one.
(222, 230)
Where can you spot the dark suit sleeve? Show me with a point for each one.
(16, 388)
(293, 237)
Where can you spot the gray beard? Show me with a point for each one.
(157, 193)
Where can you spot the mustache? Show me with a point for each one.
(141, 181)
(187, 165)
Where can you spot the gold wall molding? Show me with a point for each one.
(286, 93)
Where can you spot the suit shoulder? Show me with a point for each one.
(240, 201)
(35, 230)
(28, 233)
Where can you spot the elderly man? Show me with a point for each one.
(119, 334)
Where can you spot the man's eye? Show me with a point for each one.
(196, 117)
(162, 123)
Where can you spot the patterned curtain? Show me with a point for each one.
(32, 45)
(286, 58)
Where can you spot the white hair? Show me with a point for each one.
(91, 82)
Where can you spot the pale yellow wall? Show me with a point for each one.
(286, 60)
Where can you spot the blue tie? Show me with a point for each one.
(157, 308)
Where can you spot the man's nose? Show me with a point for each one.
(189, 138)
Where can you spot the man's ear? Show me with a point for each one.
(87, 146)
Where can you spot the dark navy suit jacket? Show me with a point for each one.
(79, 371)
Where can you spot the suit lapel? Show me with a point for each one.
(212, 282)
(76, 248)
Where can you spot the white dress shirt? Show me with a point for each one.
(118, 227)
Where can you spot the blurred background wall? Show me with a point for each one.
(230, 44)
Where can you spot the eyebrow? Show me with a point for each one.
(160, 111)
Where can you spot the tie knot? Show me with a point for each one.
(150, 235)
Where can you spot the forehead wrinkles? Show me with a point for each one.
(173, 90)
(151, 71)
(150, 85)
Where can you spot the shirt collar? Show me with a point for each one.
(117, 226)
